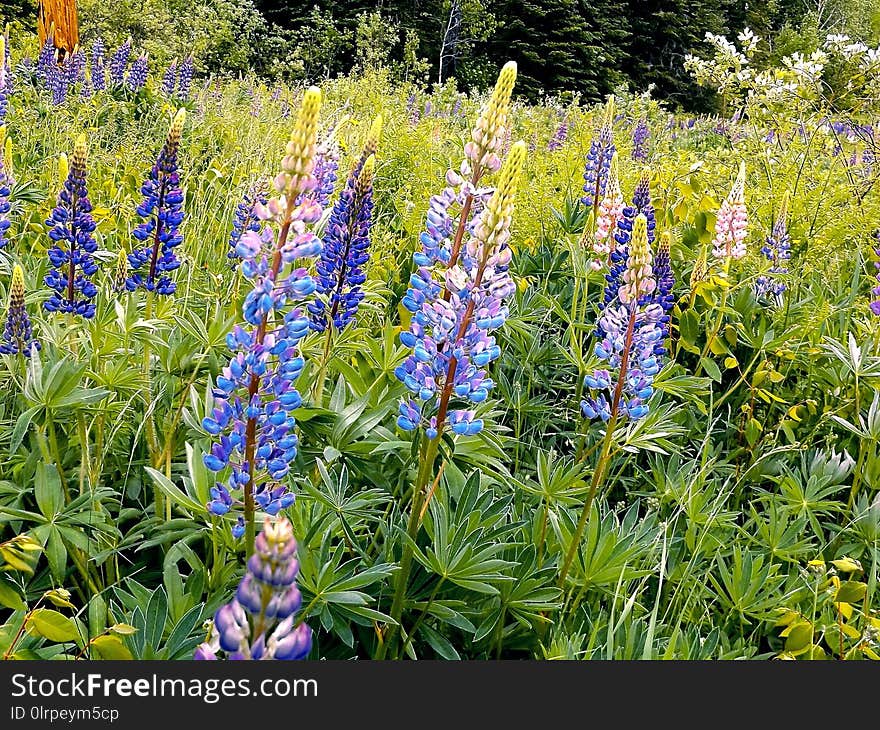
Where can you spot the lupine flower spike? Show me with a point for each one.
(260, 622)
(665, 278)
(609, 213)
(184, 82)
(4, 81)
(169, 79)
(602, 149)
(629, 332)
(137, 76)
(119, 63)
(640, 141)
(71, 227)
(732, 223)
(777, 248)
(875, 305)
(255, 395)
(162, 214)
(18, 336)
(450, 339)
(98, 71)
(5, 186)
(346, 244)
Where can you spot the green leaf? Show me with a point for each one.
(47, 490)
(52, 625)
(110, 647)
(851, 592)
(711, 368)
(689, 326)
(21, 427)
(157, 615)
(9, 596)
(799, 638)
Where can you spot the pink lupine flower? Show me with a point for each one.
(731, 226)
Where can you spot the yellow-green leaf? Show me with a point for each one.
(52, 625)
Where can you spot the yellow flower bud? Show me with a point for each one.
(365, 179)
(374, 136)
(16, 290)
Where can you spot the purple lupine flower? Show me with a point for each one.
(5, 192)
(162, 213)
(119, 63)
(456, 107)
(137, 75)
(75, 66)
(412, 109)
(345, 252)
(184, 81)
(71, 256)
(662, 296)
(4, 92)
(58, 82)
(640, 141)
(602, 149)
(629, 331)
(169, 79)
(46, 60)
(326, 168)
(98, 70)
(449, 335)
(260, 622)
(7, 62)
(777, 249)
(245, 218)
(254, 397)
(18, 335)
(875, 305)
(559, 136)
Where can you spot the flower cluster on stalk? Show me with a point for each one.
(260, 622)
(456, 293)
(608, 214)
(640, 141)
(346, 244)
(559, 136)
(137, 75)
(119, 63)
(246, 218)
(162, 213)
(18, 335)
(731, 224)
(875, 305)
(602, 150)
(98, 67)
(5, 186)
(777, 249)
(255, 395)
(184, 80)
(629, 331)
(71, 228)
(5, 78)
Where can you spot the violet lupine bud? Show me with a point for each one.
(640, 141)
(602, 149)
(260, 622)
(776, 248)
(119, 63)
(732, 222)
(609, 213)
(137, 75)
(98, 70)
(18, 336)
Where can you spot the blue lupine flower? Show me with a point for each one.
(449, 335)
(602, 149)
(5, 192)
(71, 257)
(137, 75)
(246, 218)
(184, 81)
(629, 332)
(345, 252)
(169, 79)
(662, 296)
(640, 141)
(119, 63)
(58, 81)
(75, 66)
(326, 167)
(98, 70)
(255, 395)
(777, 248)
(162, 214)
(5, 86)
(875, 305)
(266, 601)
(18, 336)
(46, 60)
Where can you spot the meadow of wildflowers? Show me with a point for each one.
(375, 371)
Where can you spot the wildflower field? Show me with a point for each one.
(374, 371)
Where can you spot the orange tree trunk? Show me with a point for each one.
(58, 19)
